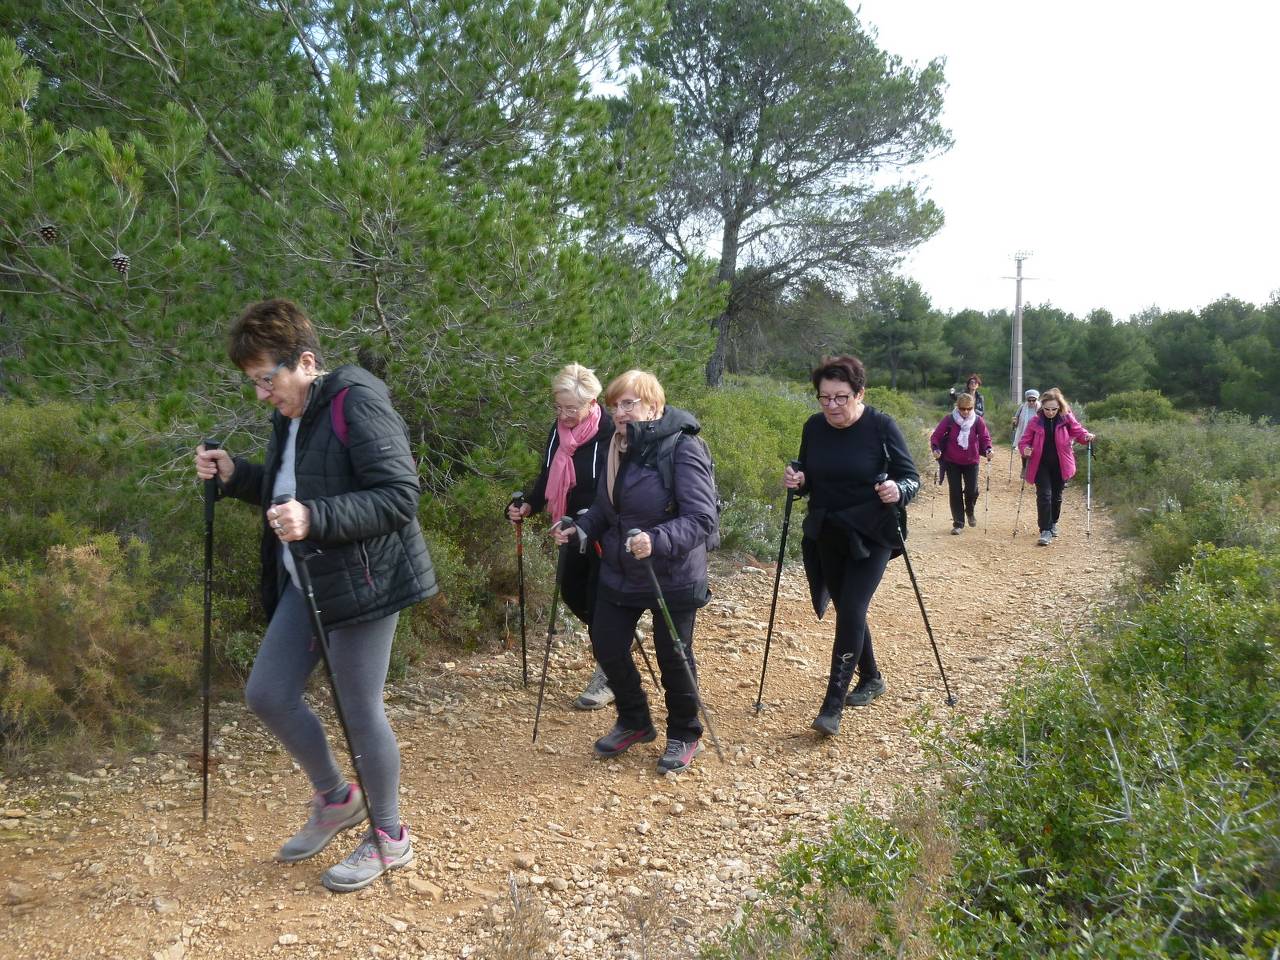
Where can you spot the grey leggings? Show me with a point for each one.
(359, 656)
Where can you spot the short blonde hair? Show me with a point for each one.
(643, 385)
(964, 398)
(577, 380)
(1053, 393)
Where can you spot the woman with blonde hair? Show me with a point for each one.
(573, 461)
(675, 518)
(958, 442)
(1051, 461)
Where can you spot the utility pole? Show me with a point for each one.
(1015, 346)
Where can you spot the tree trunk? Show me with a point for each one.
(715, 366)
(726, 273)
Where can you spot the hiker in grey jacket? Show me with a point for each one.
(675, 522)
(341, 453)
(1026, 413)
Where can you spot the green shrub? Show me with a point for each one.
(900, 406)
(89, 637)
(1137, 406)
(1122, 806)
(1211, 481)
(752, 430)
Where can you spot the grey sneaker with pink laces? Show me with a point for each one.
(325, 822)
(370, 860)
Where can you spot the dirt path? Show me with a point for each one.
(117, 863)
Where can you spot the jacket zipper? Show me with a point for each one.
(364, 561)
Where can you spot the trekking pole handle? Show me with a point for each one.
(796, 467)
(517, 500)
(210, 485)
(633, 532)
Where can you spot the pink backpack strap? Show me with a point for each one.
(338, 416)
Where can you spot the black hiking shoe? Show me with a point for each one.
(973, 521)
(957, 529)
(619, 739)
(865, 692)
(679, 754)
(827, 722)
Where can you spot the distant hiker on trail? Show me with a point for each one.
(675, 521)
(1026, 413)
(959, 439)
(850, 530)
(574, 460)
(972, 387)
(341, 451)
(1051, 461)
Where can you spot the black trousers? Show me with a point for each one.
(962, 503)
(578, 586)
(852, 583)
(613, 628)
(1049, 484)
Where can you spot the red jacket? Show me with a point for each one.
(1032, 444)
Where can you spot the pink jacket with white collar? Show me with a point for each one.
(1032, 444)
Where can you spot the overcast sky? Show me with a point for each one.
(1133, 146)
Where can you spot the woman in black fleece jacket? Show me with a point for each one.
(573, 462)
(851, 528)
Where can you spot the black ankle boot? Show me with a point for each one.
(827, 722)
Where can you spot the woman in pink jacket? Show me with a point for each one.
(1051, 464)
(960, 438)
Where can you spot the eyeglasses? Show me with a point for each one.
(267, 379)
(625, 406)
(1049, 407)
(964, 409)
(839, 400)
(567, 411)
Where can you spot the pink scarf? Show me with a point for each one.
(561, 476)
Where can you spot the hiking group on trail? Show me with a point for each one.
(630, 487)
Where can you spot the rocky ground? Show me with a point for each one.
(116, 862)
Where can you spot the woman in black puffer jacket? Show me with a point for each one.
(340, 452)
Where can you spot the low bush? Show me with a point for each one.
(1136, 406)
(1211, 481)
(89, 638)
(1123, 806)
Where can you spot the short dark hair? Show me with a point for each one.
(846, 368)
(976, 377)
(272, 330)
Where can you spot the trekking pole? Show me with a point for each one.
(679, 645)
(777, 581)
(645, 657)
(1010, 476)
(210, 495)
(1017, 516)
(1088, 493)
(897, 518)
(933, 495)
(986, 509)
(563, 523)
(300, 558)
(517, 500)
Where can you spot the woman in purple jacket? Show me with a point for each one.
(675, 524)
(960, 438)
(1051, 464)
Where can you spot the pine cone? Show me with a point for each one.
(49, 233)
(121, 262)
